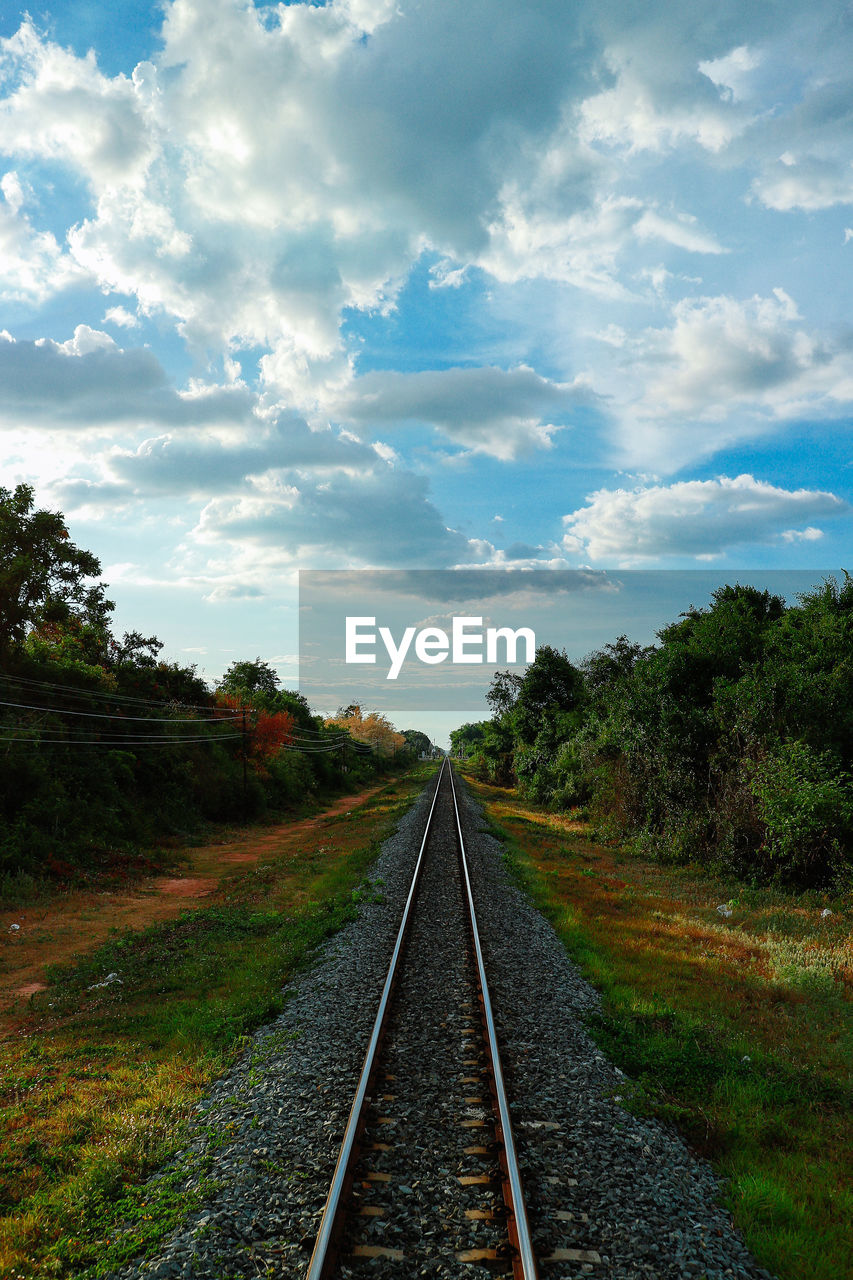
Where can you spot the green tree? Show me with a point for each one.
(45, 580)
(550, 687)
(418, 741)
(255, 682)
(467, 740)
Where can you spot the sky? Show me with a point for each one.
(418, 284)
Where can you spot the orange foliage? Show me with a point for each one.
(270, 733)
(370, 727)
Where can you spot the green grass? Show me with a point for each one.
(101, 1091)
(737, 1031)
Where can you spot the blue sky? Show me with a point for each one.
(380, 284)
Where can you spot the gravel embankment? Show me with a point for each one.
(623, 1193)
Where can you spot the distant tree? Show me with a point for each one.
(503, 692)
(135, 650)
(418, 741)
(43, 575)
(467, 738)
(250, 681)
(370, 727)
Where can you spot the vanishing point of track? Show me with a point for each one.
(414, 1042)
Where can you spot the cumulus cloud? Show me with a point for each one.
(199, 464)
(723, 349)
(726, 369)
(698, 518)
(34, 265)
(733, 72)
(90, 498)
(504, 413)
(269, 170)
(369, 518)
(634, 115)
(89, 381)
(272, 169)
(270, 178)
(122, 317)
(810, 182)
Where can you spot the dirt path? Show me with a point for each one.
(37, 936)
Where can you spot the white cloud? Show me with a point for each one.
(809, 534)
(122, 317)
(269, 170)
(204, 463)
(811, 182)
(697, 518)
(371, 518)
(726, 369)
(635, 115)
(504, 413)
(34, 265)
(63, 108)
(721, 350)
(732, 74)
(274, 170)
(89, 382)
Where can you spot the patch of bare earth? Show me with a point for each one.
(80, 920)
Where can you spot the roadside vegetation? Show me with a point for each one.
(729, 743)
(100, 1074)
(114, 765)
(729, 1009)
(107, 750)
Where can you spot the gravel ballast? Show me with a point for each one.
(609, 1194)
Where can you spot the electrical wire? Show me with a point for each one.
(108, 742)
(100, 715)
(300, 739)
(79, 691)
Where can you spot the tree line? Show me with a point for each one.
(729, 742)
(105, 748)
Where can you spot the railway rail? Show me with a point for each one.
(434, 1030)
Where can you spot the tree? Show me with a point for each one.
(370, 727)
(135, 650)
(467, 739)
(550, 687)
(43, 575)
(249, 681)
(418, 741)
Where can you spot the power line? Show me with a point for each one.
(79, 691)
(50, 733)
(135, 744)
(100, 715)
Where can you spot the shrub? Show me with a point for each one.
(805, 802)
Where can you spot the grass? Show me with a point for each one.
(98, 1087)
(736, 1028)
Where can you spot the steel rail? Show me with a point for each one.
(322, 1257)
(524, 1260)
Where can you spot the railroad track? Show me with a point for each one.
(428, 1174)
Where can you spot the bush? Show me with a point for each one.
(805, 802)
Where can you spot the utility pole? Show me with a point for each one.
(245, 797)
